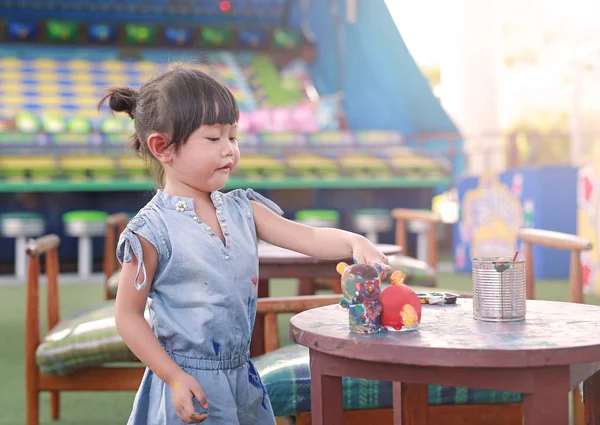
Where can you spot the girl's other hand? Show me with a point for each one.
(363, 251)
(183, 389)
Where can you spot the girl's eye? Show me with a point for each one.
(233, 139)
(213, 139)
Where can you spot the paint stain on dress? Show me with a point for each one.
(216, 346)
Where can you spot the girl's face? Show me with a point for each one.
(207, 158)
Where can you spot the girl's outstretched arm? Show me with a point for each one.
(137, 334)
(324, 243)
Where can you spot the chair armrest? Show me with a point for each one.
(276, 305)
(551, 239)
(42, 245)
(408, 214)
(402, 215)
(271, 307)
(115, 224)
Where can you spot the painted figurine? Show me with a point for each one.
(401, 306)
(361, 289)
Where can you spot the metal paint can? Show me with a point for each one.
(499, 289)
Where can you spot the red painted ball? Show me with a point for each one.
(401, 306)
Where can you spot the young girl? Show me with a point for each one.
(191, 253)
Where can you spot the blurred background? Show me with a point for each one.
(346, 106)
(480, 113)
(336, 115)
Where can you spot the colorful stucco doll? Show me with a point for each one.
(361, 289)
(401, 306)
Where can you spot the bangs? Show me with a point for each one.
(219, 107)
(196, 99)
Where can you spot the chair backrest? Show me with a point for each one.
(46, 245)
(402, 215)
(115, 224)
(558, 240)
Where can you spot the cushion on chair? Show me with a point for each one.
(86, 338)
(418, 272)
(286, 376)
(113, 283)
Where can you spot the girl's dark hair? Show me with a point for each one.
(175, 103)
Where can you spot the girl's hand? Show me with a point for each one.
(183, 389)
(363, 251)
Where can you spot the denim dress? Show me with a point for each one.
(202, 305)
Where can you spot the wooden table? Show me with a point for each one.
(275, 262)
(543, 357)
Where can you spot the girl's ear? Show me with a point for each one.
(158, 144)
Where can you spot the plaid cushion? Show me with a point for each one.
(286, 375)
(85, 338)
(418, 272)
(113, 283)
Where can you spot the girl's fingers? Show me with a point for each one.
(187, 407)
(200, 396)
(199, 417)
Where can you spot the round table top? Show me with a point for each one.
(268, 253)
(554, 333)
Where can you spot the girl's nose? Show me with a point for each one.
(228, 151)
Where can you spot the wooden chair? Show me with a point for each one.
(115, 225)
(94, 379)
(574, 244)
(558, 240)
(403, 215)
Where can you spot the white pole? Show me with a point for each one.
(351, 11)
(84, 260)
(470, 80)
(372, 236)
(422, 247)
(20, 258)
(576, 141)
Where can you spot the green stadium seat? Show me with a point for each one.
(97, 166)
(79, 125)
(365, 165)
(27, 122)
(112, 125)
(35, 167)
(85, 224)
(318, 218)
(52, 123)
(311, 165)
(133, 166)
(257, 166)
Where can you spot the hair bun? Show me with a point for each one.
(122, 99)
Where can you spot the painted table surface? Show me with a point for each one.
(553, 333)
(271, 254)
